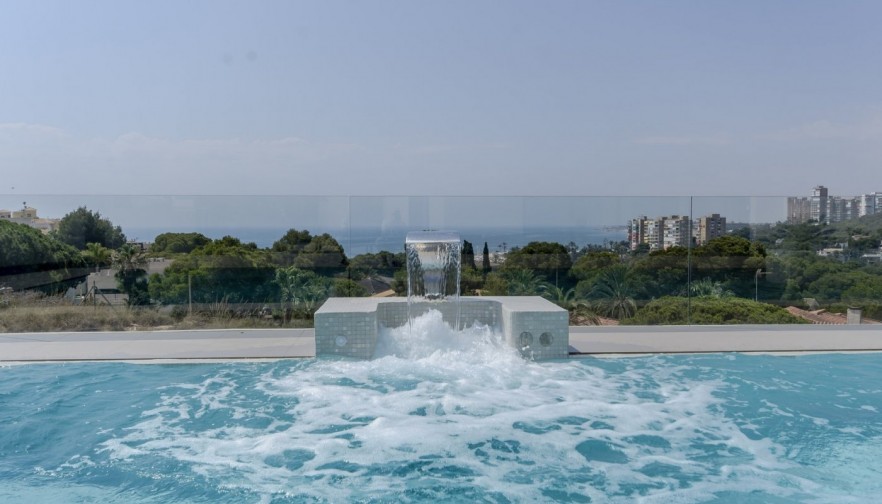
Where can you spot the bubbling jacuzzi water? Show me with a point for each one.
(449, 418)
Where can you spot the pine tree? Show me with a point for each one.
(486, 259)
(468, 255)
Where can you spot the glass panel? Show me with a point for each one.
(749, 275)
(814, 270)
(629, 260)
(171, 261)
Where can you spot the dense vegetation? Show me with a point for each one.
(747, 276)
(26, 251)
(709, 311)
(83, 226)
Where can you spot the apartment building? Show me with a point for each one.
(819, 204)
(666, 232)
(869, 204)
(822, 208)
(798, 209)
(709, 227)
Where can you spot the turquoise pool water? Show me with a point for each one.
(467, 422)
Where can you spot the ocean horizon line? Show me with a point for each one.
(360, 240)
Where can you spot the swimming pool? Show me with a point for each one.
(464, 421)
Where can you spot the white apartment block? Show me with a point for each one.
(669, 231)
(677, 231)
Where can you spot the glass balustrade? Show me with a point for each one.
(115, 262)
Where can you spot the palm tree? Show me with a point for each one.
(97, 255)
(709, 289)
(615, 293)
(523, 282)
(128, 258)
(579, 309)
(129, 262)
(301, 288)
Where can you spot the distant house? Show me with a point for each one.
(831, 252)
(101, 288)
(28, 216)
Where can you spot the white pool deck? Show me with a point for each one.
(250, 344)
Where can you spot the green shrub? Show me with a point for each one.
(710, 311)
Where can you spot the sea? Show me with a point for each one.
(357, 241)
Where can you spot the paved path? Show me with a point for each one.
(146, 345)
(731, 338)
(300, 343)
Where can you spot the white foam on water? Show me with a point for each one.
(428, 335)
(443, 408)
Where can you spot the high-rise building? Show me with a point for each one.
(842, 209)
(799, 210)
(637, 231)
(661, 232)
(710, 227)
(677, 231)
(819, 205)
(869, 204)
(822, 208)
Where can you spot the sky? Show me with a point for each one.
(458, 98)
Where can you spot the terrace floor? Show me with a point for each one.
(300, 343)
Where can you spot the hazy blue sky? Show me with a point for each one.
(444, 97)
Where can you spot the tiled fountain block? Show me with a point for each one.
(346, 327)
(476, 311)
(536, 327)
(393, 312)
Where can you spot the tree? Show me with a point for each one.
(523, 282)
(485, 260)
(495, 284)
(547, 259)
(178, 243)
(382, 263)
(470, 280)
(344, 287)
(667, 271)
(710, 311)
(468, 256)
(83, 226)
(614, 293)
(26, 250)
(806, 236)
(593, 263)
(223, 269)
(323, 254)
(580, 310)
(640, 250)
(302, 290)
(97, 255)
(709, 289)
(288, 247)
(131, 275)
